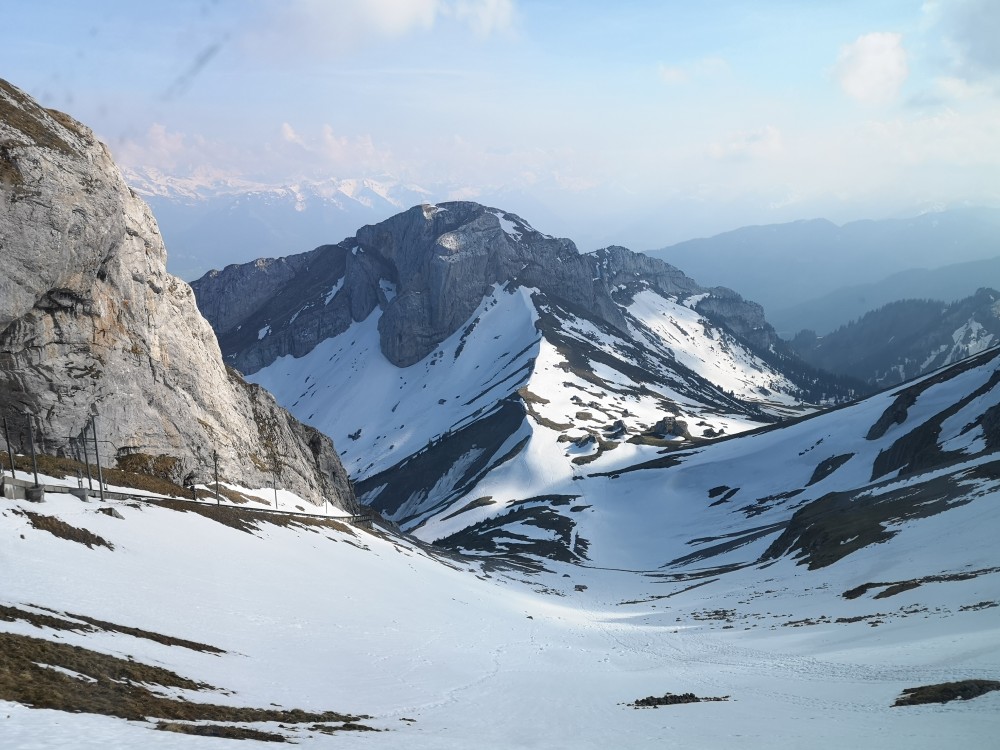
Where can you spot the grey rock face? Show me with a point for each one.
(743, 318)
(90, 322)
(428, 269)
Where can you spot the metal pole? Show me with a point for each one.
(10, 453)
(86, 458)
(31, 440)
(275, 490)
(97, 457)
(215, 459)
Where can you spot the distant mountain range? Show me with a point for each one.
(905, 339)
(213, 224)
(806, 274)
(947, 284)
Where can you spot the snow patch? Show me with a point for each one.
(509, 227)
(334, 289)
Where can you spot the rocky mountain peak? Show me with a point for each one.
(427, 269)
(91, 323)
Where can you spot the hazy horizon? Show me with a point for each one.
(642, 124)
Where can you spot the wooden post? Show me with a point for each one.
(31, 440)
(97, 457)
(10, 453)
(86, 458)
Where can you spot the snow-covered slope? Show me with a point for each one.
(275, 614)
(805, 575)
(452, 340)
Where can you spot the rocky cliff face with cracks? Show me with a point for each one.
(91, 323)
(428, 269)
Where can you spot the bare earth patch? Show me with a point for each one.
(45, 674)
(58, 527)
(84, 624)
(945, 692)
(671, 699)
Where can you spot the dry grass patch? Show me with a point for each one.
(61, 467)
(46, 674)
(220, 730)
(946, 691)
(891, 588)
(58, 527)
(85, 624)
(671, 699)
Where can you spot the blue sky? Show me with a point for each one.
(656, 120)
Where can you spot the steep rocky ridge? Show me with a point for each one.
(91, 323)
(452, 342)
(429, 268)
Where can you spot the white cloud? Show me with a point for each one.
(165, 149)
(287, 155)
(485, 17)
(288, 134)
(673, 74)
(754, 144)
(391, 18)
(873, 68)
(324, 28)
(706, 67)
(958, 89)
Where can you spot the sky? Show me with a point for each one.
(648, 122)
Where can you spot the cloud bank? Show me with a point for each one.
(873, 68)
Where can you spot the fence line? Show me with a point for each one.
(35, 490)
(26, 487)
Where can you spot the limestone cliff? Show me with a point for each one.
(428, 269)
(91, 323)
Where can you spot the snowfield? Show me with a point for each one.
(442, 653)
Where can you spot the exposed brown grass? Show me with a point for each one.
(946, 691)
(232, 495)
(30, 119)
(248, 520)
(891, 588)
(85, 624)
(58, 527)
(159, 466)
(112, 686)
(220, 730)
(61, 467)
(671, 699)
(41, 620)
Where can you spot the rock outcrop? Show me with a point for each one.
(428, 269)
(91, 323)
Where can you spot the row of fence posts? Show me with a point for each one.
(91, 424)
(91, 427)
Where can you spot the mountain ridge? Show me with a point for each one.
(786, 265)
(444, 342)
(906, 338)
